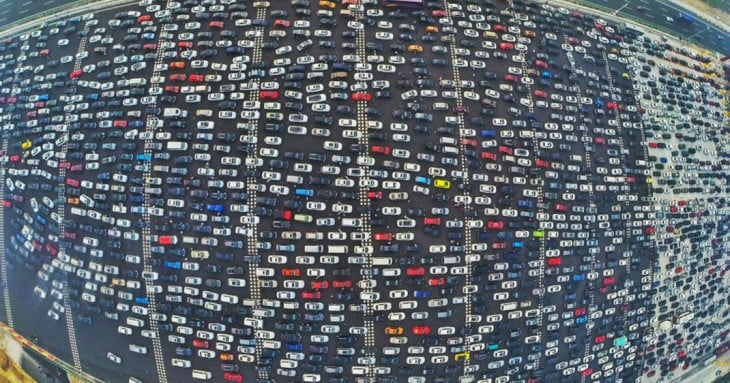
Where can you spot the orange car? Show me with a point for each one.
(225, 357)
(415, 48)
(291, 272)
(72, 200)
(178, 65)
(393, 330)
(327, 4)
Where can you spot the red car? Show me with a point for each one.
(342, 284)
(361, 96)
(415, 271)
(383, 237)
(72, 182)
(599, 140)
(542, 164)
(317, 285)
(421, 330)
(541, 64)
(375, 194)
(469, 142)
(150, 47)
(540, 93)
(77, 73)
(436, 281)
(291, 272)
(609, 280)
(561, 207)
(120, 123)
(499, 245)
(580, 311)
(439, 13)
(167, 240)
(172, 89)
(200, 343)
(311, 295)
(282, 23)
(197, 78)
(489, 156)
(178, 77)
(216, 24)
(431, 221)
(233, 377)
(511, 78)
(554, 261)
(600, 339)
(7, 203)
(144, 18)
(185, 44)
(268, 95)
(506, 46)
(505, 149)
(381, 149)
(495, 225)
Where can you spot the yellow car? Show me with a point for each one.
(432, 29)
(26, 144)
(327, 4)
(393, 330)
(442, 184)
(538, 233)
(415, 48)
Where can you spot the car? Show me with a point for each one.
(421, 330)
(389, 330)
(233, 377)
(311, 294)
(361, 96)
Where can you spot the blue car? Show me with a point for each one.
(214, 207)
(142, 300)
(578, 277)
(144, 157)
(581, 319)
(518, 244)
(304, 192)
(173, 264)
(423, 180)
(422, 294)
(524, 203)
(294, 346)
(488, 133)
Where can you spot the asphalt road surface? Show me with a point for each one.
(558, 314)
(12, 11)
(659, 13)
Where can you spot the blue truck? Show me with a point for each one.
(685, 18)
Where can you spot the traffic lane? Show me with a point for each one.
(707, 33)
(12, 10)
(52, 335)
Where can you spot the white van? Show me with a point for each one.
(202, 375)
(314, 249)
(135, 322)
(382, 261)
(337, 249)
(509, 306)
(177, 146)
